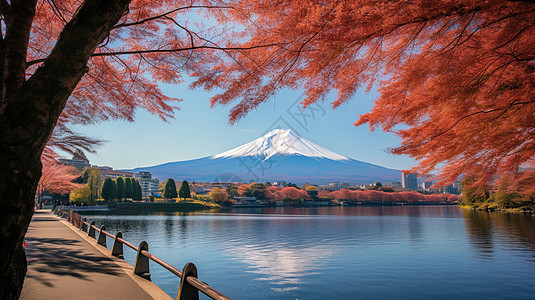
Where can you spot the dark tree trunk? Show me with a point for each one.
(29, 111)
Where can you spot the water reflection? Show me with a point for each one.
(403, 252)
(494, 231)
(283, 266)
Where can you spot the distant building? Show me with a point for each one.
(148, 185)
(247, 201)
(409, 181)
(114, 174)
(79, 160)
(393, 184)
(335, 186)
(202, 188)
(313, 194)
(426, 186)
(154, 186)
(450, 189)
(109, 172)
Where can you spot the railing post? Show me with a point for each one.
(91, 232)
(117, 249)
(141, 268)
(81, 225)
(185, 290)
(84, 226)
(101, 236)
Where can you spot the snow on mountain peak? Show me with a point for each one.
(282, 142)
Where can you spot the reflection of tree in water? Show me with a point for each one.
(515, 232)
(415, 229)
(479, 229)
(169, 224)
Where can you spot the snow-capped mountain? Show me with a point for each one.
(280, 155)
(280, 142)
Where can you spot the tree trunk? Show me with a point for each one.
(17, 186)
(28, 115)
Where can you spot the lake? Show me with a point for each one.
(399, 252)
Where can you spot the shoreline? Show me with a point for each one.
(520, 210)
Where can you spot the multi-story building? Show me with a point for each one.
(154, 185)
(109, 172)
(147, 183)
(78, 160)
(426, 186)
(409, 181)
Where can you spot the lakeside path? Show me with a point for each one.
(64, 263)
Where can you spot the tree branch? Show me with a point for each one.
(166, 14)
(36, 61)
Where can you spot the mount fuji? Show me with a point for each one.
(280, 155)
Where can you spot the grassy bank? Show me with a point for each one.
(165, 206)
(527, 208)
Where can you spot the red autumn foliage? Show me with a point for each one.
(57, 179)
(293, 193)
(456, 75)
(383, 197)
(273, 193)
(242, 188)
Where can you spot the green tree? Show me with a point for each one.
(169, 191)
(81, 195)
(218, 195)
(184, 191)
(85, 175)
(128, 188)
(256, 190)
(138, 195)
(473, 194)
(232, 191)
(120, 188)
(109, 190)
(94, 181)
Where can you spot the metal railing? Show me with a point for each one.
(189, 286)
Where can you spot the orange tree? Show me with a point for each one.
(77, 61)
(455, 77)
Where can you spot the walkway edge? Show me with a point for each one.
(152, 289)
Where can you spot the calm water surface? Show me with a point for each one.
(410, 252)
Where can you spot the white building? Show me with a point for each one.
(148, 185)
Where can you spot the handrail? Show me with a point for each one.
(162, 263)
(120, 240)
(189, 285)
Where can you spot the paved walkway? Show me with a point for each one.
(66, 264)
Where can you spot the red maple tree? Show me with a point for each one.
(67, 62)
(292, 193)
(455, 78)
(57, 179)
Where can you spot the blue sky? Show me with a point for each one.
(199, 131)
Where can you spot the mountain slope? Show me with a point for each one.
(280, 155)
(280, 142)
